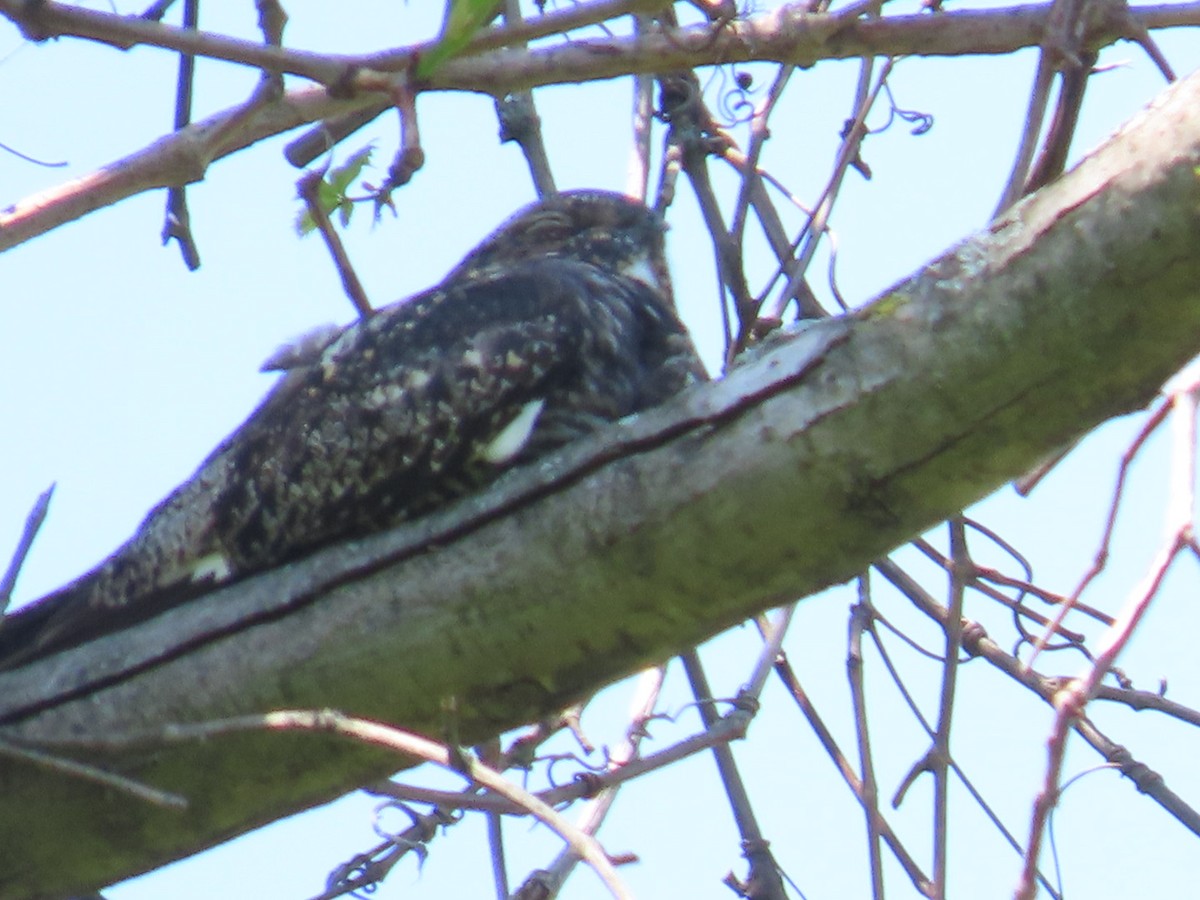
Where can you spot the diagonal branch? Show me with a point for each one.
(841, 439)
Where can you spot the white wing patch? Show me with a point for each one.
(505, 446)
(213, 567)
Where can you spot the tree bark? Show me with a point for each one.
(827, 448)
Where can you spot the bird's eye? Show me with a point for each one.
(550, 228)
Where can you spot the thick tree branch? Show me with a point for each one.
(369, 82)
(786, 34)
(826, 449)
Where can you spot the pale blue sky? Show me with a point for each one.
(121, 370)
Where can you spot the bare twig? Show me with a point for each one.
(307, 187)
(929, 729)
(696, 135)
(637, 180)
(848, 153)
(860, 621)
(272, 18)
(772, 634)
(33, 523)
(94, 774)
(1100, 561)
(1065, 17)
(788, 676)
(519, 122)
(177, 225)
(940, 756)
(302, 151)
(730, 727)
(490, 754)
(764, 871)
(759, 132)
(371, 867)
(179, 158)
(977, 642)
(1070, 701)
(784, 35)
(410, 156)
(641, 709)
(402, 742)
(156, 10)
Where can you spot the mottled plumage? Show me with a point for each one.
(561, 320)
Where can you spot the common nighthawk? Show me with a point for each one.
(561, 320)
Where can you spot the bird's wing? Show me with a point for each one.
(398, 415)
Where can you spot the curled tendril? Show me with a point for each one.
(922, 122)
(1020, 608)
(734, 92)
(32, 159)
(589, 767)
(742, 702)
(355, 871)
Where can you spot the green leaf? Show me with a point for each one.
(464, 19)
(333, 192)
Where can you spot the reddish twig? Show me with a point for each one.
(1071, 700)
(308, 187)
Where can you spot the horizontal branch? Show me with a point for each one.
(352, 83)
(177, 159)
(826, 449)
(787, 34)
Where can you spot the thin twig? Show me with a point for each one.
(1064, 53)
(764, 871)
(370, 868)
(404, 743)
(637, 178)
(791, 682)
(784, 35)
(1072, 699)
(592, 816)
(772, 634)
(177, 225)
(697, 136)
(930, 731)
(519, 122)
(940, 755)
(730, 727)
(977, 642)
(1100, 560)
(848, 153)
(33, 523)
(495, 835)
(302, 151)
(759, 132)
(308, 188)
(74, 769)
(860, 621)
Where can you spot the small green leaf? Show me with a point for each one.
(334, 189)
(464, 19)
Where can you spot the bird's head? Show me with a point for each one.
(608, 230)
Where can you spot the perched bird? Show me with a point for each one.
(561, 320)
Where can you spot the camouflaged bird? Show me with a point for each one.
(561, 320)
